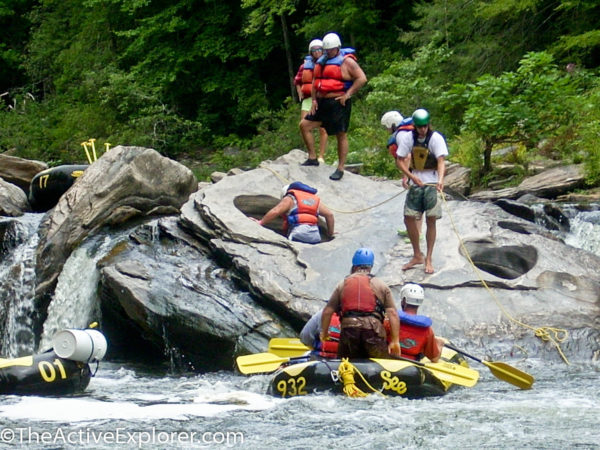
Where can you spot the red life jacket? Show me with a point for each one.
(357, 296)
(414, 330)
(307, 75)
(391, 145)
(328, 73)
(306, 210)
(329, 349)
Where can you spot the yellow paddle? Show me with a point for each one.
(262, 362)
(502, 371)
(287, 347)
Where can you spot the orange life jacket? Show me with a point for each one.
(305, 212)
(307, 75)
(357, 298)
(328, 72)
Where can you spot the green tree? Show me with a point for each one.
(525, 106)
(14, 34)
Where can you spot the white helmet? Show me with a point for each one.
(331, 40)
(391, 119)
(413, 294)
(315, 43)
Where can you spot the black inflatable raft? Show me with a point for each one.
(43, 374)
(49, 185)
(390, 377)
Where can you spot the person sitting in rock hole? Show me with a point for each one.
(300, 206)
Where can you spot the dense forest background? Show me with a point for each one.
(209, 82)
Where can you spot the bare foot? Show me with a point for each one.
(428, 268)
(413, 262)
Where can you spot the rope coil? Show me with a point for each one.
(346, 371)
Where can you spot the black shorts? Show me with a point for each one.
(334, 117)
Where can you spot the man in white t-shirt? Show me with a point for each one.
(421, 157)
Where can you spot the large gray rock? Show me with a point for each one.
(550, 184)
(458, 179)
(162, 286)
(124, 184)
(13, 201)
(522, 278)
(19, 171)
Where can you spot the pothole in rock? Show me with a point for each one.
(508, 262)
(257, 206)
(517, 227)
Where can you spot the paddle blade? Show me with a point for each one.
(510, 374)
(287, 347)
(454, 373)
(259, 363)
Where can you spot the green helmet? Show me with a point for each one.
(420, 117)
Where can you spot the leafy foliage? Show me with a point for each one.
(210, 81)
(525, 106)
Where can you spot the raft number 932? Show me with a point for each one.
(48, 372)
(292, 387)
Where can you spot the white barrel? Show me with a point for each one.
(80, 345)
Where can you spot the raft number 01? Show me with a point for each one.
(292, 387)
(48, 372)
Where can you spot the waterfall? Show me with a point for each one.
(17, 284)
(585, 231)
(74, 301)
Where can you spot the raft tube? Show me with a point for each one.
(389, 377)
(43, 374)
(49, 185)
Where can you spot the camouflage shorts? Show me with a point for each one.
(421, 200)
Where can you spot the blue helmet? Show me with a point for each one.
(363, 257)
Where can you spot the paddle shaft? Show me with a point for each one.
(502, 371)
(462, 352)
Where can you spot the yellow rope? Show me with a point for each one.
(554, 335)
(346, 370)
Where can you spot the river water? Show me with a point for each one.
(130, 407)
(136, 406)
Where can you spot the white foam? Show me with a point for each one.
(81, 410)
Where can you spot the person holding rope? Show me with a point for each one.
(362, 301)
(300, 207)
(421, 157)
